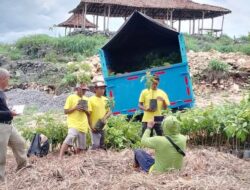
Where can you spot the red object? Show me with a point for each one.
(116, 113)
(132, 78)
(132, 110)
(172, 103)
(189, 100)
(160, 73)
(186, 80)
(111, 93)
(188, 90)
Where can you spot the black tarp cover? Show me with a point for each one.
(139, 35)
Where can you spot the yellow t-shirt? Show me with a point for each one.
(145, 97)
(98, 105)
(77, 119)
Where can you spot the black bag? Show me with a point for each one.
(178, 149)
(37, 148)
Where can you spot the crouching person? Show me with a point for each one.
(77, 108)
(98, 115)
(169, 149)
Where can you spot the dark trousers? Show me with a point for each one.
(143, 159)
(157, 127)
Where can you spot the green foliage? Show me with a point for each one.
(77, 73)
(148, 78)
(10, 51)
(51, 57)
(110, 104)
(52, 49)
(157, 59)
(216, 125)
(51, 125)
(40, 46)
(121, 133)
(246, 49)
(223, 44)
(216, 65)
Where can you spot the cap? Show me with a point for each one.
(82, 86)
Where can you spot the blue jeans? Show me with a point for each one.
(143, 159)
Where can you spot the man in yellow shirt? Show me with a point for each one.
(161, 100)
(98, 114)
(77, 108)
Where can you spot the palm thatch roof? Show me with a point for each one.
(76, 21)
(183, 9)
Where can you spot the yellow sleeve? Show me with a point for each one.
(89, 105)
(165, 96)
(142, 97)
(68, 103)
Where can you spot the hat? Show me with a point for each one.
(171, 125)
(156, 77)
(100, 84)
(82, 86)
(97, 78)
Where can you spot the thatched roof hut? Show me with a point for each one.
(76, 21)
(166, 10)
(160, 9)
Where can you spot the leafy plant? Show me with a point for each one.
(148, 78)
(77, 73)
(110, 103)
(217, 125)
(216, 65)
(49, 124)
(121, 133)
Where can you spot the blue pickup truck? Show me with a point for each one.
(129, 54)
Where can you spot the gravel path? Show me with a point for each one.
(33, 98)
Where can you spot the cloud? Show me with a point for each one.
(25, 17)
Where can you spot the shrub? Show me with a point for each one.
(216, 65)
(51, 125)
(246, 49)
(121, 133)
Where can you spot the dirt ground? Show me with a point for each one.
(204, 169)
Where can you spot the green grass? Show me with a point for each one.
(10, 51)
(50, 48)
(224, 44)
(216, 65)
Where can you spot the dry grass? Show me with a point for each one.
(204, 169)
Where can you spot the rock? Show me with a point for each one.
(241, 61)
(235, 88)
(215, 82)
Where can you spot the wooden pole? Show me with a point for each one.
(167, 17)
(104, 19)
(198, 26)
(97, 22)
(74, 24)
(85, 13)
(189, 26)
(193, 25)
(222, 25)
(77, 23)
(82, 18)
(179, 29)
(202, 24)
(65, 31)
(108, 17)
(212, 25)
(171, 18)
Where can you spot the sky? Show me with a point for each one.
(24, 17)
